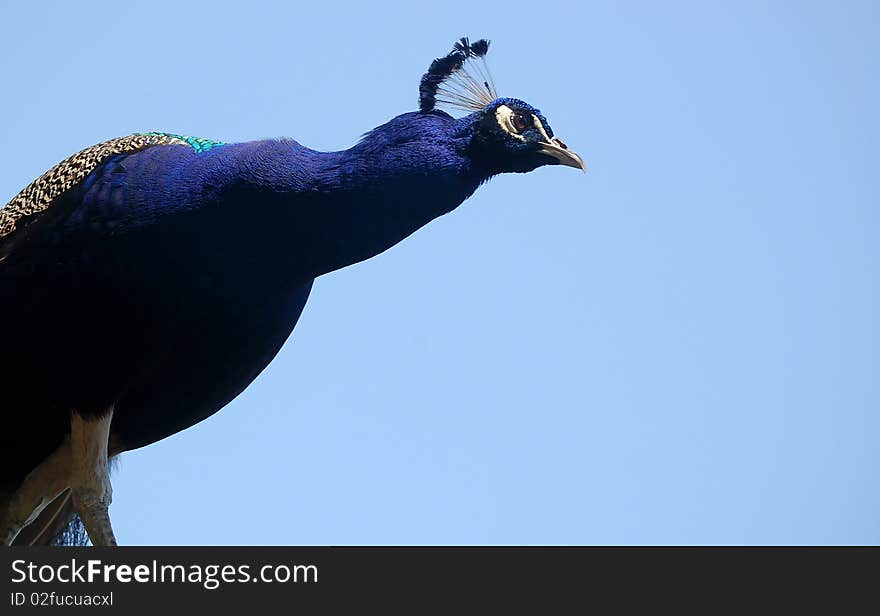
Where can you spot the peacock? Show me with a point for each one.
(146, 281)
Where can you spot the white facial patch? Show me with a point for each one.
(504, 115)
(540, 126)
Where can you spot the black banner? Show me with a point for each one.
(466, 579)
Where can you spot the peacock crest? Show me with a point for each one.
(460, 79)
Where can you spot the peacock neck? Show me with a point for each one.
(327, 210)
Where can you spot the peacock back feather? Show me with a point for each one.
(42, 192)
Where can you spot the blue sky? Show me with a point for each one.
(679, 347)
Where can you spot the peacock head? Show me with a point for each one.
(508, 135)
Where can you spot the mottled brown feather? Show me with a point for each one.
(42, 192)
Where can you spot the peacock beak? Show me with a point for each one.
(558, 150)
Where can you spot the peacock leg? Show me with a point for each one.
(41, 486)
(90, 475)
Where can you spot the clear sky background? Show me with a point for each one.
(679, 347)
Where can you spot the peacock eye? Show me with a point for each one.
(519, 122)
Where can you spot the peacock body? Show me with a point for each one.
(147, 280)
